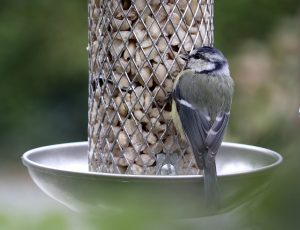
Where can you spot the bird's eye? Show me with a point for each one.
(197, 56)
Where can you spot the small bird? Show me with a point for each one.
(201, 101)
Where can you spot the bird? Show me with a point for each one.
(201, 102)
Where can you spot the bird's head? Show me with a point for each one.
(207, 60)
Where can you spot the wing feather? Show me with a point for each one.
(202, 134)
(216, 133)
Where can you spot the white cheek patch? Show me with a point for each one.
(207, 67)
(224, 70)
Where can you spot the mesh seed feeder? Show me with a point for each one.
(133, 157)
(134, 56)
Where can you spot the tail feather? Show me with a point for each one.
(211, 188)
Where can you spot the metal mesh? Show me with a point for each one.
(134, 49)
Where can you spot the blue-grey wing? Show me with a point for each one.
(194, 124)
(200, 132)
(216, 132)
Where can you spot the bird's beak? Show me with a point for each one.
(185, 57)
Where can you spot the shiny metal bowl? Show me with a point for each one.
(61, 171)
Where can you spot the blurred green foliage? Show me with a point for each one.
(43, 64)
(43, 73)
(44, 77)
(49, 221)
(236, 21)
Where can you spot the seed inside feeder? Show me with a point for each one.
(134, 49)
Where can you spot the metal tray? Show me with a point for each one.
(61, 171)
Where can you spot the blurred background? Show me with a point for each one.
(43, 98)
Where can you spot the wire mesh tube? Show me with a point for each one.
(134, 48)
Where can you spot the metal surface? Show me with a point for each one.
(61, 171)
(134, 56)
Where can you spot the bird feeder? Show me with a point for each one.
(134, 56)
